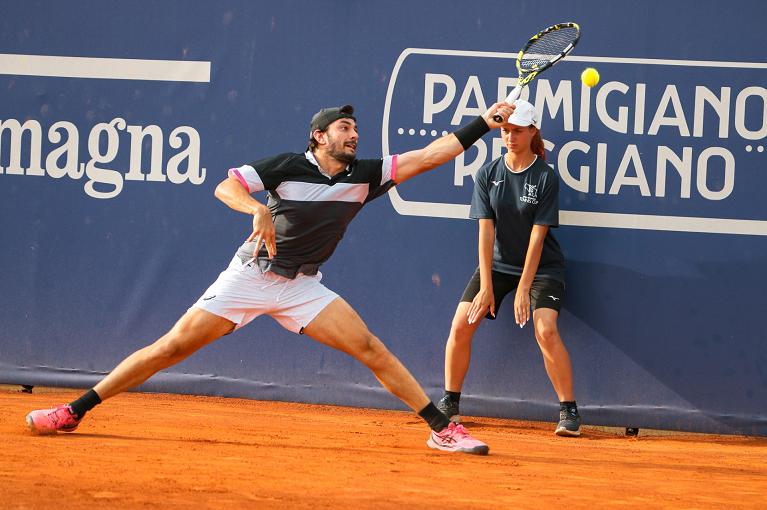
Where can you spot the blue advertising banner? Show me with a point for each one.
(116, 127)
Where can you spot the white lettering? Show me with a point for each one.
(670, 96)
(582, 182)
(462, 169)
(639, 103)
(545, 97)
(103, 147)
(601, 168)
(682, 165)
(191, 154)
(740, 113)
(16, 131)
(621, 123)
(729, 173)
(429, 106)
(621, 179)
(98, 175)
(474, 90)
(583, 122)
(70, 148)
(720, 104)
(137, 148)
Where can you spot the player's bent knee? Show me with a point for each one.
(460, 330)
(373, 351)
(547, 334)
(170, 349)
(461, 326)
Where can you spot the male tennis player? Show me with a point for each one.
(312, 198)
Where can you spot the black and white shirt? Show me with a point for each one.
(516, 201)
(310, 209)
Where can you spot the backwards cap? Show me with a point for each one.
(326, 116)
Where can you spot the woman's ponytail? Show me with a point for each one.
(536, 144)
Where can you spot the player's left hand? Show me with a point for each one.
(503, 109)
(263, 232)
(522, 306)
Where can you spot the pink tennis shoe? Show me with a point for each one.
(49, 421)
(455, 438)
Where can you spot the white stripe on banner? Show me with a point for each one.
(668, 223)
(583, 58)
(600, 219)
(105, 68)
(311, 192)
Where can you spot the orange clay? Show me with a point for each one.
(140, 451)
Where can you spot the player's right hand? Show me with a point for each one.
(263, 232)
(503, 109)
(484, 300)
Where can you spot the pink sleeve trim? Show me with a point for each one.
(393, 168)
(236, 173)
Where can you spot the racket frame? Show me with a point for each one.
(526, 76)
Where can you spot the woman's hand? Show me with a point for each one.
(522, 306)
(484, 300)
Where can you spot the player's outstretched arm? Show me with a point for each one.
(448, 147)
(231, 192)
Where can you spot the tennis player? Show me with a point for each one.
(516, 202)
(312, 197)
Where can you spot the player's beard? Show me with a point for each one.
(336, 150)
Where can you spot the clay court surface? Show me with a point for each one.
(169, 451)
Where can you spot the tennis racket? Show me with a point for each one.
(542, 51)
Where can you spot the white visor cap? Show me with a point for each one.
(524, 114)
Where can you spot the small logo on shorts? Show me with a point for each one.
(208, 298)
(554, 298)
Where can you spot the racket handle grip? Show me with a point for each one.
(513, 96)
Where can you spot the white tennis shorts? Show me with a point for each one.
(241, 293)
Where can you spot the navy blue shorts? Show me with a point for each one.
(544, 292)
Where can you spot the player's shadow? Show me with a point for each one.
(163, 439)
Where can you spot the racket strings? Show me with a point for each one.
(548, 48)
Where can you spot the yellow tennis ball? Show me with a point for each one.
(590, 77)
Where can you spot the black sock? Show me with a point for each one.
(434, 417)
(85, 403)
(570, 406)
(454, 396)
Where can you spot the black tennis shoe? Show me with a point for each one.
(449, 408)
(569, 422)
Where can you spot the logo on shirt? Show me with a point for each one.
(496, 183)
(531, 194)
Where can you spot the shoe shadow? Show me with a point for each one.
(545, 429)
(203, 441)
(80, 435)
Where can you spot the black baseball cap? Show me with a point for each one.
(325, 117)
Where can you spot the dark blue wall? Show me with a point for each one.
(665, 280)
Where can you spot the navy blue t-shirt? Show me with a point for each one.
(516, 202)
